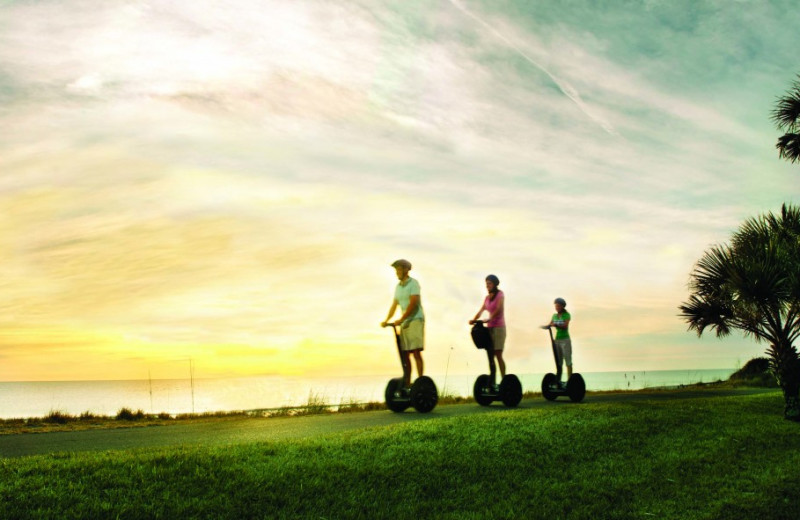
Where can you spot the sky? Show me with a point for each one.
(229, 182)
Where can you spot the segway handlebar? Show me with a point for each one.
(389, 324)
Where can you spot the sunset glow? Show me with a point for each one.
(229, 183)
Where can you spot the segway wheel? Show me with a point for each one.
(424, 395)
(549, 381)
(483, 381)
(576, 388)
(396, 404)
(510, 390)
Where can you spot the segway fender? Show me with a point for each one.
(481, 336)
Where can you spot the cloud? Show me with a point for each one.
(232, 182)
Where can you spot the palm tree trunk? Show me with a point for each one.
(786, 366)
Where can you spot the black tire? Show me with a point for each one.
(393, 403)
(549, 380)
(424, 395)
(481, 398)
(510, 390)
(576, 388)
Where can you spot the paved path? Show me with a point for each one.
(242, 430)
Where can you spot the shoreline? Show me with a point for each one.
(60, 422)
(269, 394)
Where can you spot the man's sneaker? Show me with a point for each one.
(496, 388)
(562, 385)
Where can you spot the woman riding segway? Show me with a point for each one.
(486, 390)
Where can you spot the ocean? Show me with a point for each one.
(176, 396)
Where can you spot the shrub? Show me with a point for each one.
(57, 417)
(755, 372)
(126, 414)
(88, 416)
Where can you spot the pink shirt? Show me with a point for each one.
(491, 305)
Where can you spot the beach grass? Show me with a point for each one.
(699, 458)
(57, 420)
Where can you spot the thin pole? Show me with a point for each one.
(191, 380)
(447, 368)
(150, 379)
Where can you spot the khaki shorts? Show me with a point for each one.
(564, 347)
(498, 335)
(412, 335)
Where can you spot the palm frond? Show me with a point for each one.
(701, 314)
(711, 271)
(786, 114)
(788, 146)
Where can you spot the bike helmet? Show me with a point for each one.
(401, 263)
(492, 278)
(562, 301)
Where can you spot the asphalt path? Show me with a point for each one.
(245, 430)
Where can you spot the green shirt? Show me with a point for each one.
(559, 319)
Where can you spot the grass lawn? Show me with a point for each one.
(708, 457)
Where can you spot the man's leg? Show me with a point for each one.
(418, 360)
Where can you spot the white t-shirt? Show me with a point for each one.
(403, 294)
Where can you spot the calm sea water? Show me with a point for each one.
(173, 396)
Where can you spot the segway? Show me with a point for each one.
(423, 395)
(553, 388)
(510, 389)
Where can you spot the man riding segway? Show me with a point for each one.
(410, 341)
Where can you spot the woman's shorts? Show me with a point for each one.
(564, 346)
(498, 335)
(412, 335)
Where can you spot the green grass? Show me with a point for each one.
(699, 458)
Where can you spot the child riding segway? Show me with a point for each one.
(552, 386)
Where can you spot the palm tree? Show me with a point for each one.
(786, 116)
(753, 285)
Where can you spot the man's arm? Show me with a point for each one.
(391, 313)
(413, 303)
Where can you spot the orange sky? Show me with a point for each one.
(230, 185)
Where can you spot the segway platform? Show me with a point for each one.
(510, 389)
(422, 395)
(553, 388)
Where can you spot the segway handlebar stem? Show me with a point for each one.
(396, 330)
(556, 357)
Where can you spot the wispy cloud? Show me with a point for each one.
(228, 181)
(567, 89)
